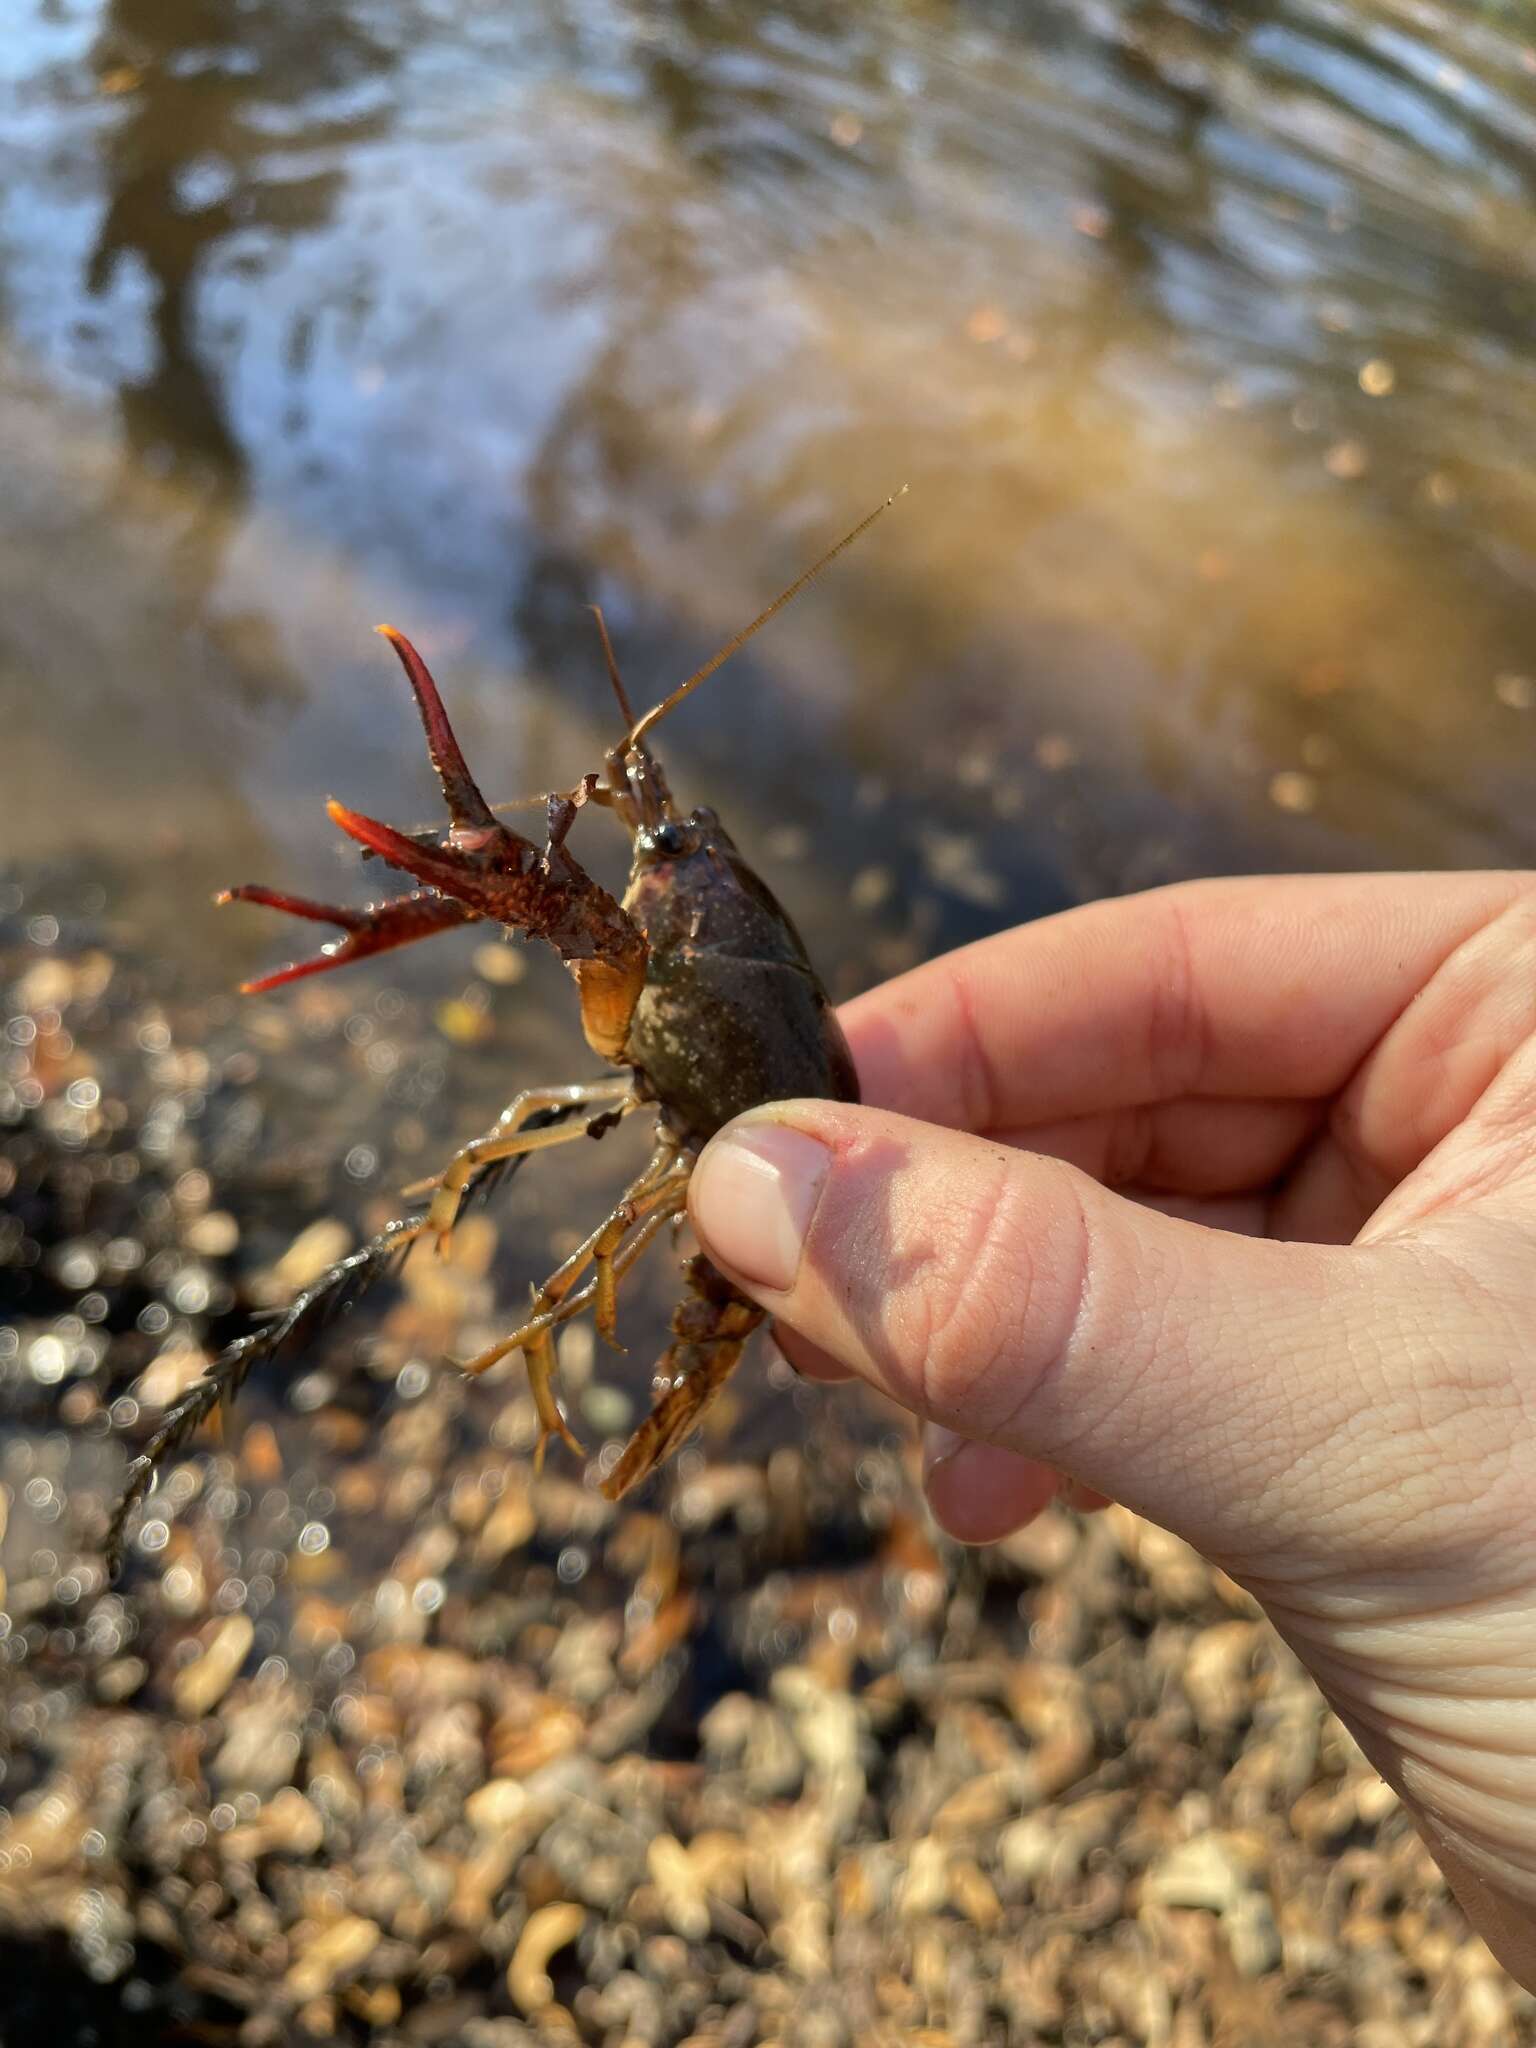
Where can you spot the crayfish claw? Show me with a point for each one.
(499, 874)
(466, 806)
(374, 928)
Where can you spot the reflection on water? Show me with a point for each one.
(1200, 333)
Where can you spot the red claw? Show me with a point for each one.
(465, 870)
(466, 806)
(482, 869)
(375, 928)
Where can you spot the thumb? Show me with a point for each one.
(1194, 1374)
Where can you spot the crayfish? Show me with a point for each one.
(695, 987)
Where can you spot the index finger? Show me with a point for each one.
(1274, 986)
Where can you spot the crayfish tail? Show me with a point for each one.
(711, 1327)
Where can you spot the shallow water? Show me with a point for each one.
(1200, 335)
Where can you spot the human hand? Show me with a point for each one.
(1220, 1200)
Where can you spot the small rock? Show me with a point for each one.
(608, 1409)
(975, 1894)
(169, 1375)
(315, 1248)
(120, 1680)
(1206, 1872)
(496, 1805)
(509, 1525)
(925, 1889)
(260, 1750)
(1216, 1673)
(1252, 1936)
(554, 1731)
(977, 1805)
(1025, 1848)
(287, 1825)
(678, 1884)
(499, 963)
(213, 1236)
(333, 1955)
(199, 1688)
(549, 1929)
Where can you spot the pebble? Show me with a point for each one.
(549, 1930)
(200, 1687)
(525, 1746)
(499, 963)
(332, 1955)
(497, 1805)
(289, 1825)
(317, 1246)
(170, 1374)
(213, 1235)
(260, 1750)
(925, 1888)
(680, 1887)
(1209, 1872)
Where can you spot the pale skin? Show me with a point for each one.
(1221, 1202)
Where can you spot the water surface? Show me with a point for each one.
(1200, 335)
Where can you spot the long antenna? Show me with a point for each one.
(613, 667)
(659, 711)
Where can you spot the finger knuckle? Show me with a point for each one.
(973, 1303)
(1177, 1026)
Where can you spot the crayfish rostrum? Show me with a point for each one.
(695, 987)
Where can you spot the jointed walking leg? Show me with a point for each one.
(655, 1195)
(510, 1138)
(335, 1289)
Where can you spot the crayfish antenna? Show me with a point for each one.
(614, 678)
(659, 711)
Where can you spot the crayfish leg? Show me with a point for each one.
(511, 1138)
(605, 1279)
(710, 1326)
(656, 1194)
(541, 1375)
(213, 1394)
